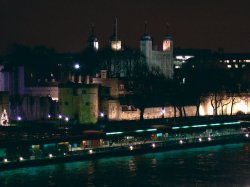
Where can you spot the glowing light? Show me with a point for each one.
(183, 57)
(166, 45)
(139, 130)
(50, 155)
(4, 119)
(102, 114)
(49, 116)
(210, 110)
(199, 125)
(247, 135)
(64, 154)
(185, 127)
(5, 160)
(113, 133)
(66, 119)
(76, 66)
(202, 111)
(20, 158)
(175, 127)
(215, 124)
(90, 151)
(231, 123)
(241, 107)
(153, 145)
(200, 139)
(131, 148)
(181, 142)
(60, 116)
(96, 45)
(209, 138)
(116, 45)
(19, 118)
(151, 130)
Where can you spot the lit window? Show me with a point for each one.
(229, 66)
(116, 45)
(166, 45)
(96, 45)
(236, 66)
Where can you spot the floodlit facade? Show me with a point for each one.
(159, 60)
(79, 102)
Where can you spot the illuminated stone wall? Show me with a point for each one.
(241, 106)
(129, 115)
(80, 103)
(111, 109)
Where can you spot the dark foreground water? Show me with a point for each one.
(227, 165)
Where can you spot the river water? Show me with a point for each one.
(226, 165)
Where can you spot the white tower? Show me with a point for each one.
(146, 45)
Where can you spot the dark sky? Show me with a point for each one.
(65, 24)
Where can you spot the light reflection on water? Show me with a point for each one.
(227, 165)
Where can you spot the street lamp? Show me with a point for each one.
(49, 116)
(102, 114)
(60, 119)
(19, 118)
(77, 66)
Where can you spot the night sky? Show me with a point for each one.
(65, 25)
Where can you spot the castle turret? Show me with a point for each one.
(167, 43)
(115, 43)
(146, 45)
(93, 41)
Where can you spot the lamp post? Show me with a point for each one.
(60, 119)
(19, 118)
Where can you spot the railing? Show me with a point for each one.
(170, 142)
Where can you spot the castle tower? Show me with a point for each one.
(167, 43)
(115, 43)
(146, 45)
(92, 40)
(168, 48)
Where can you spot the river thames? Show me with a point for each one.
(225, 165)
